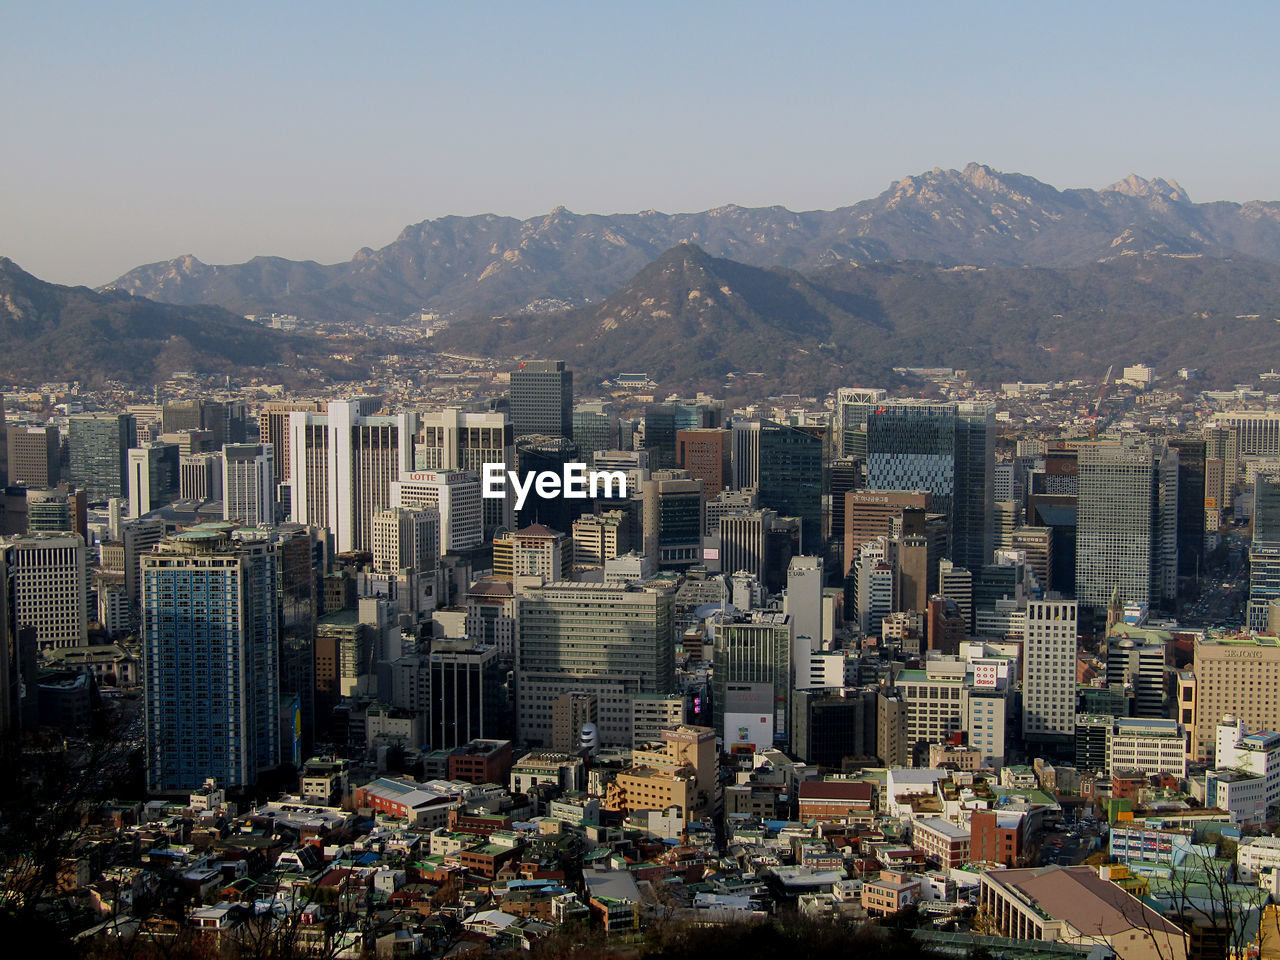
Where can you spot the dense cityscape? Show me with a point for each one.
(652, 481)
(985, 669)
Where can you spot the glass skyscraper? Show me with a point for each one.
(790, 478)
(210, 622)
(98, 446)
(1264, 551)
(948, 449)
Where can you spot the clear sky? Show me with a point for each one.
(135, 132)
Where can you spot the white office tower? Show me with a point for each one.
(1049, 672)
(804, 605)
(405, 539)
(450, 440)
(746, 454)
(343, 465)
(249, 483)
(50, 587)
(454, 495)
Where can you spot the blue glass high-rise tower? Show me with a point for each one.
(947, 448)
(210, 619)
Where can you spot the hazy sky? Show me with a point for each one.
(134, 132)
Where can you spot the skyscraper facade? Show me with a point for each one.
(595, 427)
(98, 451)
(211, 610)
(50, 587)
(542, 399)
(452, 439)
(613, 642)
(343, 465)
(1264, 551)
(1127, 520)
(1049, 673)
(154, 477)
(34, 457)
(249, 483)
(948, 449)
(790, 478)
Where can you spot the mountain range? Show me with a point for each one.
(487, 265)
(690, 319)
(52, 332)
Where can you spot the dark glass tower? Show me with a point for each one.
(791, 478)
(948, 449)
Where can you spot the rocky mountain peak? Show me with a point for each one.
(1155, 189)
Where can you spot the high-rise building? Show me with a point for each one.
(538, 454)
(1236, 676)
(223, 421)
(299, 560)
(451, 439)
(343, 465)
(1257, 432)
(804, 605)
(249, 483)
(49, 587)
(843, 475)
(154, 477)
(1049, 673)
(673, 522)
(611, 641)
(752, 655)
(854, 406)
(34, 456)
(1037, 544)
(1053, 502)
(600, 537)
(956, 583)
(61, 509)
(406, 539)
(1126, 533)
(947, 448)
(660, 435)
(211, 616)
(595, 427)
(743, 542)
(98, 447)
(273, 428)
(535, 551)
(1191, 494)
(829, 726)
(1144, 665)
(455, 495)
(468, 695)
(1222, 465)
(706, 454)
(1264, 551)
(790, 478)
(869, 514)
(542, 399)
(200, 476)
(746, 454)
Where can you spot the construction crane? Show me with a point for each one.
(1102, 395)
